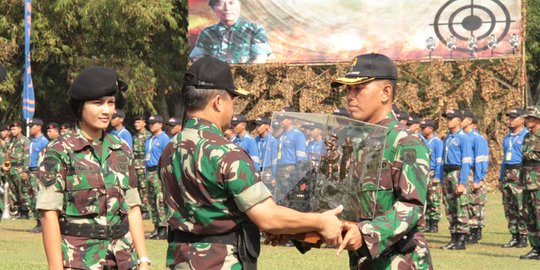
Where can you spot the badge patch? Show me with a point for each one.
(409, 156)
(48, 177)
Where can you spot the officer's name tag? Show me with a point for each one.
(508, 156)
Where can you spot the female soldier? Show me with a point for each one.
(89, 202)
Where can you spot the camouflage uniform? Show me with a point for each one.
(3, 147)
(17, 149)
(401, 199)
(239, 43)
(90, 183)
(530, 177)
(209, 182)
(514, 209)
(138, 153)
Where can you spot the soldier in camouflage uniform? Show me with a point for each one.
(4, 138)
(139, 140)
(531, 180)
(212, 189)
(17, 151)
(88, 191)
(510, 183)
(391, 239)
(38, 142)
(234, 39)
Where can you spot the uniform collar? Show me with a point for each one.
(202, 124)
(80, 142)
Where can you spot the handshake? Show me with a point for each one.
(345, 235)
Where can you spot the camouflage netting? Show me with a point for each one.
(488, 87)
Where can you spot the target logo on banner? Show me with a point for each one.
(468, 19)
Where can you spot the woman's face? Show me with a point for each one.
(97, 114)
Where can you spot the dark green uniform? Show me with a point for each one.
(17, 149)
(139, 141)
(530, 176)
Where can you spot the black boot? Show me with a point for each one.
(154, 232)
(427, 227)
(460, 242)
(434, 228)
(522, 241)
(513, 242)
(37, 228)
(452, 242)
(161, 235)
(472, 238)
(24, 214)
(479, 234)
(534, 254)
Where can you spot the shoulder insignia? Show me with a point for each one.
(409, 156)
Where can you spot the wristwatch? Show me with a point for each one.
(144, 260)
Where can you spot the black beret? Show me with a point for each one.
(94, 83)
(52, 125)
(66, 125)
(15, 124)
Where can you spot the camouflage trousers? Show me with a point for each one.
(18, 189)
(31, 196)
(477, 201)
(457, 206)
(531, 199)
(512, 197)
(419, 258)
(85, 253)
(201, 256)
(433, 201)
(285, 182)
(156, 199)
(142, 186)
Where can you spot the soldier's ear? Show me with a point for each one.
(386, 93)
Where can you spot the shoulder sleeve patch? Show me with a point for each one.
(409, 156)
(47, 171)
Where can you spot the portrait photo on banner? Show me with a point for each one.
(327, 31)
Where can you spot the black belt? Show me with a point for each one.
(152, 169)
(138, 156)
(512, 166)
(95, 231)
(33, 169)
(451, 168)
(531, 163)
(230, 238)
(16, 163)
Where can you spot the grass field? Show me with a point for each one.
(22, 250)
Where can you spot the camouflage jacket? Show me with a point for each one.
(240, 43)
(531, 153)
(17, 149)
(401, 196)
(208, 183)
(139, 140)
(87, 182)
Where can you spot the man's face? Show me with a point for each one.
(155, 127)
(261, 128)
(285, 123)
(176, 129)
(15, 131)
(35, 130)
(426, 131)
(228, 133)
(239, 128)
(466, 122)
(228, 11)
(315, 133)
(52, 133)
(515, 122)
(415, 127)
(97, 114)
(453, 122)
(115, 121)
(365, 100)
(139, 124)
(4, 134)
(64, 130)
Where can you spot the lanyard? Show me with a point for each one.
(447, 147)
(150, 148)
(511, 143)
(281, 141)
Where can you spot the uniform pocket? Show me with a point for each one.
(82, 202)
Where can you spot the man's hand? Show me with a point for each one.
(276, 239)
(460, 189)
(331, 226)
(478, 185)
(352, 240)
(436, 180)
(24, 176)
(4, 168)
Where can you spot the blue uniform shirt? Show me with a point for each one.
(36, 146)
(250, 145)
(268, 148)
(153, 148)
(512, 154)
(291, 147)
(124, 135)
(436, 148)
(315, 150)
(458, 152)
(480, 154)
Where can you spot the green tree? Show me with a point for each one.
(532, 47)
(145, 41)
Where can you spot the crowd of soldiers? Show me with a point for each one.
(207, 182)
(19, 156)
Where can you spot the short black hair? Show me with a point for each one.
(196, 99)
(76, 107)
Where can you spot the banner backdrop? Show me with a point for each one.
(320, 31)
